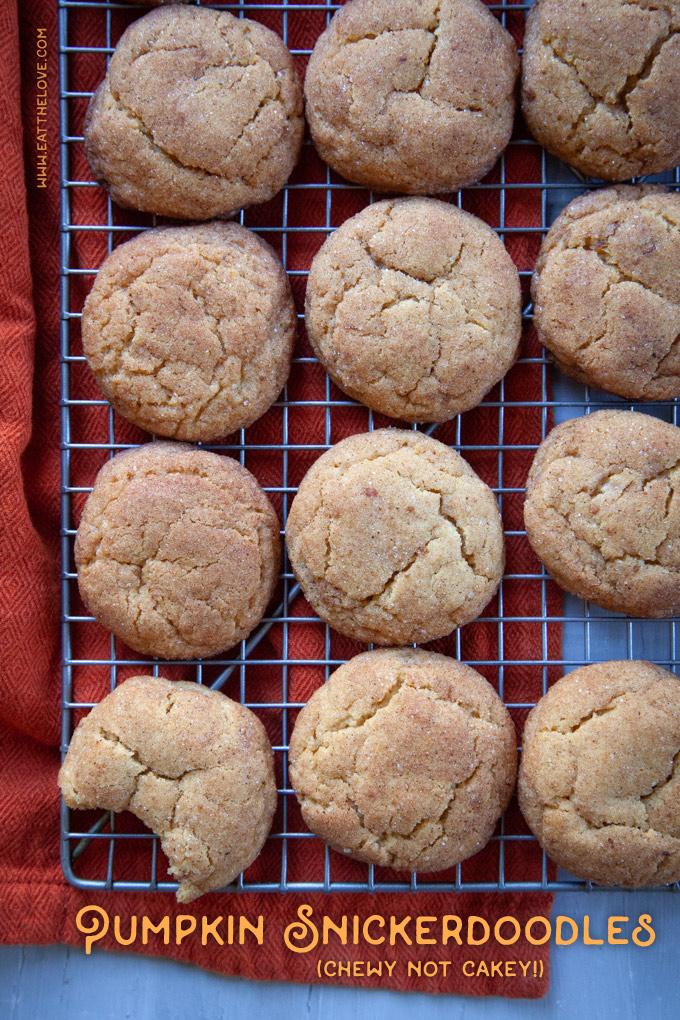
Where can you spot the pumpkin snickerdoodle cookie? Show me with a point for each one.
(200, 114)
(414, 307)
(394, 538)
(177, 551)
(599, 782)
(192, 764)
(189, 330)
(602, 511)
(606, 291)
(417, 97)
(600, 81)
(404, 759)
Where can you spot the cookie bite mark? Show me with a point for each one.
(409, 564)
(599, 775)
(177, 551)
(414, 308)
(194, 766)
(438, 737)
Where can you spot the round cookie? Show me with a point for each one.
(417, 97)
(177, 551)
(599, 784)
(394, 538)
(194, 766)
(404, 759)
(189, 330)
(600, 80)
(606, 291)
(602, 511)
(414, 308)
(200, 114)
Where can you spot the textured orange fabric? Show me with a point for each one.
(36, 903)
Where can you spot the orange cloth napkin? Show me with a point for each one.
(36, 903)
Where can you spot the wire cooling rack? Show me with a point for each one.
(114, 852)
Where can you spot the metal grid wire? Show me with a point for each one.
(588, 634)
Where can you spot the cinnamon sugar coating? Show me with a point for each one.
(177, 551)
(599, 782)
(189, 330)
(416, 96)
(200, 114)
(394, 538)
(404, 759)
(602, 511)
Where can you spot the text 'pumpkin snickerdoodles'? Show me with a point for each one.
(394, 538)
(414, 307)
(404, 759)
(602, 511)
(189, 330)
(416, 96)
(606, 291)
(192, 764)
(200, 114)
(600, 81)
(599, 779)
(178, 550)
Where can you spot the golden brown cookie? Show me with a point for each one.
(606, 291)
(600, 81)
(405, 759)
(415, 96)
(395, 539)
(194, 766)
(602, 511)
(414, 307)
(189, 330)
(200, 114)
(177, 551)
(599, 782)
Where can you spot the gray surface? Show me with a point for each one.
(596, 982)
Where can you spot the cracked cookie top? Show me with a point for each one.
(404, 759)
(177, 551)
(602, 511)
(394, 538)
(414, 307)
(606, 291)
(417, 97)
(600, 81)
(200, 114)
(189, 330)
(194, 766)
(599, 778)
